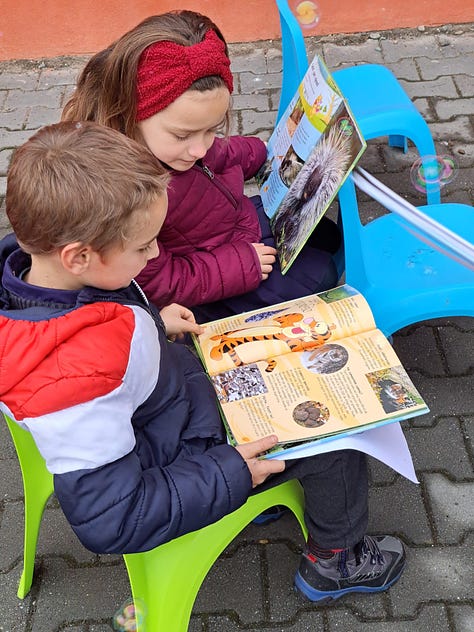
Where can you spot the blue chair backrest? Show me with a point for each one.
(295, 59)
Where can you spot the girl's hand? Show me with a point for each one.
(260, 468)
(178, 321)
(267, 257)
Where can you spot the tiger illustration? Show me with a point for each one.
(297, 332)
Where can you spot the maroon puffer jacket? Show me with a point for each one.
(205, 243)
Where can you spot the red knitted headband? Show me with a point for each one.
(166, 70)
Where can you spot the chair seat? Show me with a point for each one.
(407, 280)
(423, 265)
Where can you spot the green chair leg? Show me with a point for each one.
(165, 581)
(38, 487)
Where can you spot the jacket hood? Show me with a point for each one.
(45, 327)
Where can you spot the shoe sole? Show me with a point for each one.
(325, 596)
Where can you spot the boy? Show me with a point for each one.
(126, 420)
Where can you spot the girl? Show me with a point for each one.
(167, 83)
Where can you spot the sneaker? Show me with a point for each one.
(270, 515)
(373, 565)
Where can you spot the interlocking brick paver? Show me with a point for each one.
(5, 157)
(468, 428)
(11, 139)
(251, 83)
(250, 586)
(257, 102)
(246, 58)
(447, 396)
(350, 54)
(52, 97)
(399, 508)
(61, 76)
(56, 605)
(459, 129)
(404, 69)
(274, 60)
(15, 119)
(463, 617)
(398, 49)
(433, 447)
(257, 121)
(465, 85)
(446, 109)
(451, 340)
(452, 507)
(431, 68)
(441, 85)
(442, 574)
(24, 80)
(39, 116)
(454, 45)
(432, 617)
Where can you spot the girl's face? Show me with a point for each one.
(184, 131)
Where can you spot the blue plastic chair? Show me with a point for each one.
(404, 280)
(378, 102)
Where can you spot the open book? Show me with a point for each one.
(308, 370)
(310, 153)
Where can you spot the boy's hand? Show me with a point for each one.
(178, 321)
(260, 468)
(267, 256)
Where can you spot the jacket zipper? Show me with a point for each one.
(143, 303)
(223, 189)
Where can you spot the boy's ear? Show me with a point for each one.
(76, 257)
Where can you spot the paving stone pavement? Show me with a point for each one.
(250, 586)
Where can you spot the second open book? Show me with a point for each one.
(310, 153)
(308, 370)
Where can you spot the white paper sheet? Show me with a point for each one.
(386, 443)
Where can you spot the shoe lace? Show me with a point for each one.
(368, 546)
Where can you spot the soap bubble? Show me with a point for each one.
(129, 616)
(306, 12)
(430, 173)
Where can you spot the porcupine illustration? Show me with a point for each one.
(312, 189)
(290, 167)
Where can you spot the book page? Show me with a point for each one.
(312, 150)
(333, 388)
(285, 328)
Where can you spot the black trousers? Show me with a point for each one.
(336, 495)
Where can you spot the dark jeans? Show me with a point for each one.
(336, 495)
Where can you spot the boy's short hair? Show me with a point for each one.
(79, 182)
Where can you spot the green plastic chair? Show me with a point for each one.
(164, 581)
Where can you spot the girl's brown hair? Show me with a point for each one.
(80, 182)
(106, 89)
